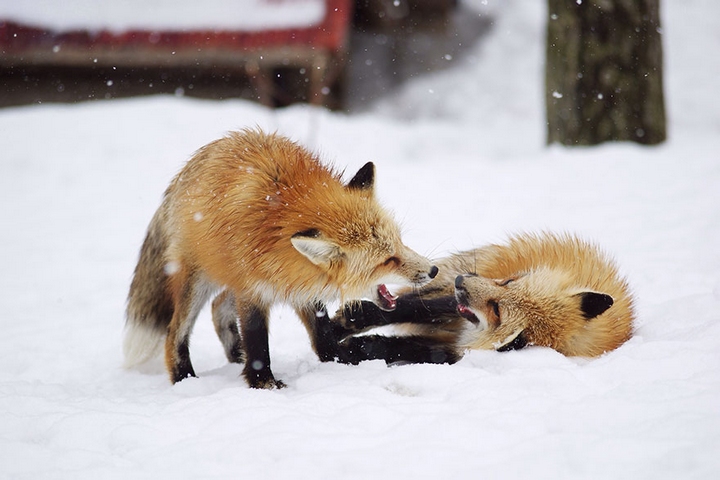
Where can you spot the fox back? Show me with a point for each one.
(251, 209)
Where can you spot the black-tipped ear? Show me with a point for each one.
(517, 343)
(593, 304)
(364, 178)
(311, 232)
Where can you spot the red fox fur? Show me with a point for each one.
(261, 218)
(549, 290)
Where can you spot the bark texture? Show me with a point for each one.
(604, 75)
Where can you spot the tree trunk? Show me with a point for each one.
(604, 72)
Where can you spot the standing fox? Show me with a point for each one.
(547, 290)
(261, 218)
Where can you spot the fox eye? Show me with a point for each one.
(506, 281)
(495, 308)
(394, 261)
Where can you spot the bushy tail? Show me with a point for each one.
(150, 306)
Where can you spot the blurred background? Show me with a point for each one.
(337, 53)
(603, 58)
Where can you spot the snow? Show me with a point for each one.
(238, 15)
(462, 166)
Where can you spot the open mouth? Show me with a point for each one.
(465, 312)
(387, 301)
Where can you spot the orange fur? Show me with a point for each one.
(536, 283)
(262, 218)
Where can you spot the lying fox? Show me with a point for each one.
(549, 290)
(260, 218)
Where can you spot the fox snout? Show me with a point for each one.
(463, 301)
(423, 278)
(432, 273)
(461, 293)
(412, 268)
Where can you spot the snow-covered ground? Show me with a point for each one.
(461, 161)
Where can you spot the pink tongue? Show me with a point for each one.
(467, 314)
(388, 299)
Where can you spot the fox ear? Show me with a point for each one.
(314, 248)
(593, 304)
(364, 178)
(518, 343)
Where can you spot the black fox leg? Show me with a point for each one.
(323, 331)
(177, 345)
(177, 351)
(183, 367)
(410, 349)
(411, 308)
(254, 332)
(225, 319)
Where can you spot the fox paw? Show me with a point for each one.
(262, 378)
(358, 316)
(270, 384)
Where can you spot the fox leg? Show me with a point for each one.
(333, 341)
(323, 331)
(254, 333)
(225, 319)
(396, 350)
(411, 308)
(193, 294)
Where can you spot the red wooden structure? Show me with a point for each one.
(319, 49)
